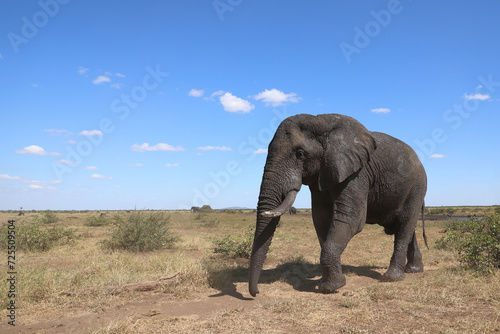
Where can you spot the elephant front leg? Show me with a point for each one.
(337, 238)
(336, 222)
(333, 278)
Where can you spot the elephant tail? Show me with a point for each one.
(423, 225)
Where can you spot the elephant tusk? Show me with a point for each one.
(283, 207)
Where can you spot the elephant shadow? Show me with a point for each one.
(301, 274)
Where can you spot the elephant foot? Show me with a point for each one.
(331, 286)
(414, 268)
(394, 275)
(332, 280)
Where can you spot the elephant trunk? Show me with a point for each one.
(270, 207)
(260, 248)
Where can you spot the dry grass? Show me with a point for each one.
(71, 282)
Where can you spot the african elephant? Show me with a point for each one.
(195, 209)
(292, 211)
(355, 177)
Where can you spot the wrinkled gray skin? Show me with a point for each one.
(355, 177)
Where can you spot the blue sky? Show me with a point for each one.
(169, 104)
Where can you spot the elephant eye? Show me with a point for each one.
(300, 154)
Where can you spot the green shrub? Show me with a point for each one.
(235, 246)
(36, 236)
(97, 221)
(477, 242)
(49, 217)
(142, 232)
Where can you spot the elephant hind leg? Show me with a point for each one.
(414, 264)
(405, 244)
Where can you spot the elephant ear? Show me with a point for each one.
(348, 148)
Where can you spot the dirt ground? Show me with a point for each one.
(159, 306)
(443, 299)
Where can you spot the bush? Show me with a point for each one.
(97, 221)
(477, 242)
(37, 236)
(210, 222)
(235, 246)
(49, 217)
(142, 233)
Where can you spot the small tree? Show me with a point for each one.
(206, 208)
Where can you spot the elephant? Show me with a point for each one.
(355, 177)
(195, 209)
(292, 211)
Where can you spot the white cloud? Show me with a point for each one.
(91, 168)
(116, 85)
(158, 147)
(26, 180)
(1, 57)
(216, 148)
(35, 150)
(91, 133)
(232, 103)
(56, 131)
(82, 70)
(10, 178)
(437, 156)
(100, 79)
(99, 176)
(214, 95)
(35, 85)
(381, 110)
(66, 162)
(196, 92)
(120, 75)
(71, 142)
(477, 96)
(35, 186)
(134, 165)
(32, 149)
(172, 165)
(261, 151)
(217, 93)
(276, 98)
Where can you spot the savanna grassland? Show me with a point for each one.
(79, 286)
